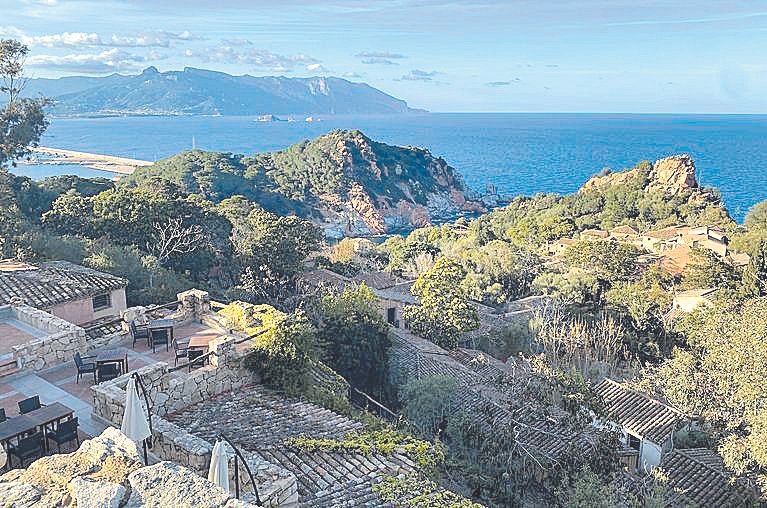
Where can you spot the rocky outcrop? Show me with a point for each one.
(107, 472)
(670, 175)
(674, 174)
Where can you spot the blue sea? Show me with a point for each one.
(518, 152)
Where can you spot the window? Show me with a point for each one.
(391, 315)
(102, 302)
(633, 441)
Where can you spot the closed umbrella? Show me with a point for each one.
(135, 424)
(218, 472)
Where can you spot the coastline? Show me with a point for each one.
(109, 163)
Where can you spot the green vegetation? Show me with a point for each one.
(356, 339)
(415, 492)
(429, 457)
(444, 311)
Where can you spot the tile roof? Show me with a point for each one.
(493, 406)
(377, 280)
(49, 284)
(259, 420)
(698, 476)
(638, 413)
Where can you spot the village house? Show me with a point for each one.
(71, 292)
(700, 237)
(624, 233)
(647, 425)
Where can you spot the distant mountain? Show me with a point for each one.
(203, 92)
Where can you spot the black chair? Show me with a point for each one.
(194, 358)
(83, 367)
(30, 404)
(181, 349)
(2, 415)
(159, 336)
(139, 332)
(108, 371)
(64, 433)
(28, 448)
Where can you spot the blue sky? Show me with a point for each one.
(516, 55)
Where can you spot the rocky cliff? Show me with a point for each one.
(672, 175)
(346, 182)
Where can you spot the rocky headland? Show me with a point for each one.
(349, 184)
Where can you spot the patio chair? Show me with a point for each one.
(2, 415)
(64, 433)
(30, 404)
(159, 336)
(181, 350)
(107, 371)
(139, 332)
(83, 367)
(30, 447)
(194, 358)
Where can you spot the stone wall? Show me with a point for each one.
(169, 392)
(62, 341)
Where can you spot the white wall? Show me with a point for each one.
(650, 455)
(81, 311)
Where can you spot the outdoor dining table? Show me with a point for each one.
(22, 424)
(162, 324)
(112, 356)
(198, 342)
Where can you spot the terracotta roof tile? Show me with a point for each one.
(50, 284)
(638, 413)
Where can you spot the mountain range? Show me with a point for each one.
(205, 92)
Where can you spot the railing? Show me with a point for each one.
(383, 411)
(237, 457)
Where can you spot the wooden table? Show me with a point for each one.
(112, 356)
(16, 426)
(21, 424)
(197, 342)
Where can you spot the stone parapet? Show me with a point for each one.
(64, 339)
(169, 392)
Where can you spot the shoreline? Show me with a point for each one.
(121, 166)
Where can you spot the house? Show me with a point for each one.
(71, 292)
(698, 477)
(594, 234)
(688, 301)
(648, 425)
(624, 234)
(393, 295)
(698, 237)
(676, 260)
(558, 248)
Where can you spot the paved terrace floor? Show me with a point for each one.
(59, 383)
(14, 333)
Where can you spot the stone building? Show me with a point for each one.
(647, 425)
(66, 290)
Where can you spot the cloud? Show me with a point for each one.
(380, 54)
(49, 3)
(503, 83)
(419, 75)
(254, 57)
(154, 39)
(111, 60)
(317, 67)
(378, 61)
(351, 75)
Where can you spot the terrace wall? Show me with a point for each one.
(62, 341)
(169, 392)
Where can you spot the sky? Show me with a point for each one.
(650, 56)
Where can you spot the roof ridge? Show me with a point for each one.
(644, 395)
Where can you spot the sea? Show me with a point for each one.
(519, 153)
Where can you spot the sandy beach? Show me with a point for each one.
(110, 163)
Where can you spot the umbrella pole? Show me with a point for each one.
(146, 457)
